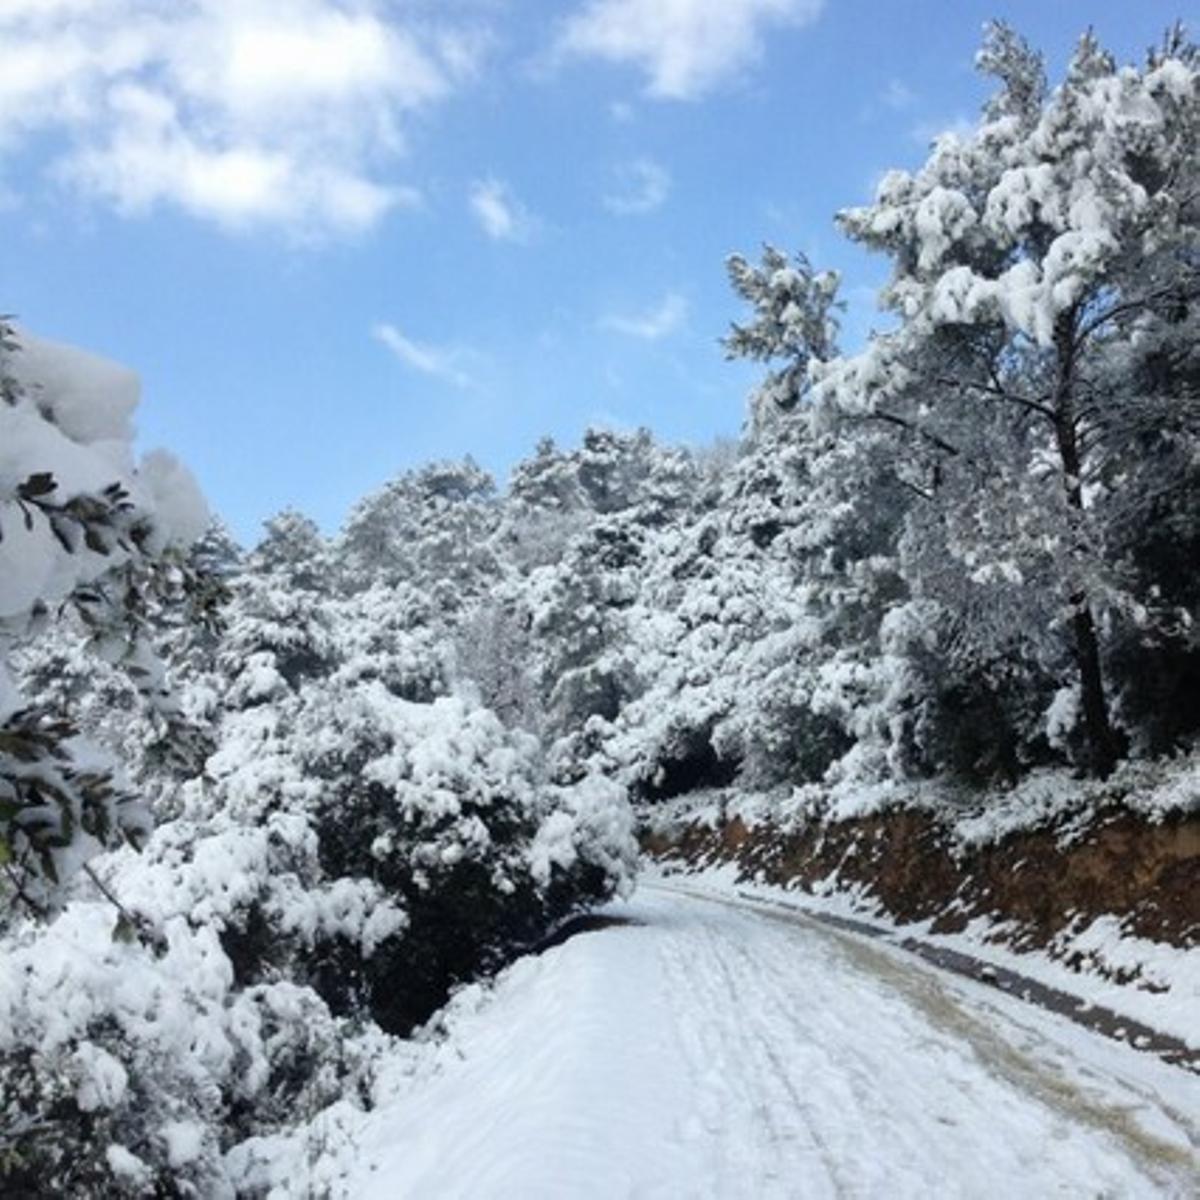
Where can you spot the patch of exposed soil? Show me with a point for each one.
(1145, 874)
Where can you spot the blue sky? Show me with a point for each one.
(339, 238)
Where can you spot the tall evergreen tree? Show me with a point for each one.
(1026, 257)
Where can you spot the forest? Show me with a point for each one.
(263, 810)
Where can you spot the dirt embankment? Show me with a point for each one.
(1145, 874)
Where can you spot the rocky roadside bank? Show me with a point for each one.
(1040, 882)
(1108, 908)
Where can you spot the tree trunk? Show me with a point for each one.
(1102, 742)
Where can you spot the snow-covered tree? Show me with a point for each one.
(429, 528)
(279, 622)
(794, 321)
(1028, 256)
(809, 516)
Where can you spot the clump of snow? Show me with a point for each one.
(1062, 717)
(126, 1166)
(91, 399)
(102, 1079)
(590, 822)
(71, 421)
(184, 1141)
(174, 496)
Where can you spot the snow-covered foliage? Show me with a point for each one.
(360, 840)
(793, 320)
(959, 561)
(1041, 264)
(960, 552)
(428, 528)
(82, 527)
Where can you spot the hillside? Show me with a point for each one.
(284, 828)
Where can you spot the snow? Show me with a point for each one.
(89, 398)
(593, 820)
(29, 563)
(102, 1079)
(1063, 715)
(72, 421)
(710, 1051)
(32, 563)
(1088, 959)
(1022, 195)
(1172, 77)
(1166, 994)
(10, 698)
(126, 1165)
(184, 1140)
(175, 498)
(1045, 798)
(942, 218)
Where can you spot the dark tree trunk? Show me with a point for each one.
(1102, 741)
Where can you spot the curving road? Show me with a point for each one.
(713, 1049)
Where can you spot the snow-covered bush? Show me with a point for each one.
(429, 824)
(131, 1054)
(416, 823)
(358, 845)
(81, 526)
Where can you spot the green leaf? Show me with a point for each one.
(40, 484)
(62, 531)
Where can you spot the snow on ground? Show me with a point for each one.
(1163, 990)
(708, 1050)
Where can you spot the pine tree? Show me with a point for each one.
(1026, 258)
(429, 528)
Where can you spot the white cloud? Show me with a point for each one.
(439, 361)
(499, 213)
(644, 186)
(898, 95)
(685, 47)
(665, 319)
(247, 113)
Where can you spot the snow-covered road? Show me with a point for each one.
(717, 1050)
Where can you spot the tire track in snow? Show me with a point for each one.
(717, 1051)
(739, 1064)
(1028, 1071)
(1118, 1026)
